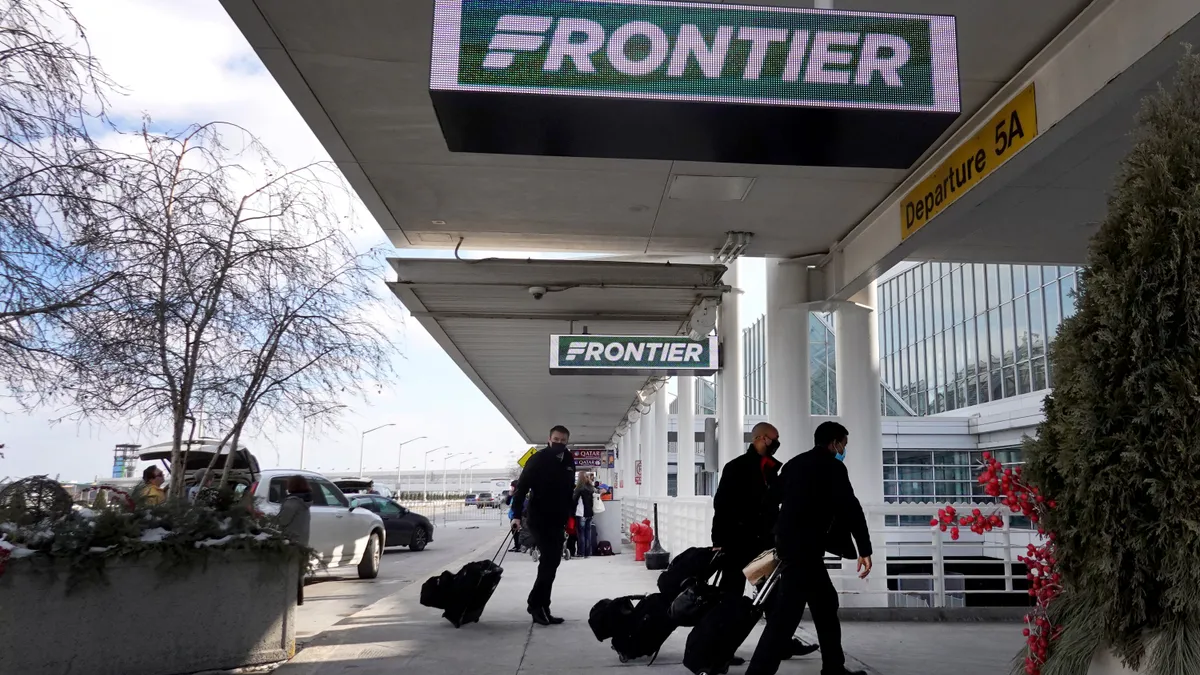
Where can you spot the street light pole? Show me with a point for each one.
(398, 451)
(462, 468)
(425, 472)
(445, 458)
(362, 441)
(304, 421)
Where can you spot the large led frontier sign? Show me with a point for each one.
(697, 52)
(642, 57)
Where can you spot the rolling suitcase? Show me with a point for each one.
(465, 596)
(716, 638)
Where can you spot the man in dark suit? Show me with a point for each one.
(744, 512)
(819, 513)
(550, 475)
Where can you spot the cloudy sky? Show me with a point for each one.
(183, 61)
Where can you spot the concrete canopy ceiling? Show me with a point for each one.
(482, 314)
(357, 70)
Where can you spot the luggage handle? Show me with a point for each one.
(761, 596)
(503, 550)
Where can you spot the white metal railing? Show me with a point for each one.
(915, 566)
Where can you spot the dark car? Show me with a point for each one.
(404, 527)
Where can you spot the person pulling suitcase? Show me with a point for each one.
(550, 475)
(819, 513)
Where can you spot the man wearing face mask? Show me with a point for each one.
(744, 512)
(819, 513)
(550, 476)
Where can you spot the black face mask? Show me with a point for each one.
(558, 447)
(772, 447)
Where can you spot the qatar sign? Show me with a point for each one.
(644, 52)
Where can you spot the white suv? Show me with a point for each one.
(341, 534)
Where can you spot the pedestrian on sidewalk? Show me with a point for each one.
(819, 513)
(512, 515)
(584, 490)
(745, 509)
(549, 474)
(295, 519)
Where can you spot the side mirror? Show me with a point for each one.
(352, 507)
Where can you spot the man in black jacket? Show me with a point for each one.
(550, 475)
(819, 513)
(744, 512)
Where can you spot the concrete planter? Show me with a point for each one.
(236, 610)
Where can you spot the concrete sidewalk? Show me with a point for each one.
(398, 635)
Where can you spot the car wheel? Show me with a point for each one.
(419, 539)
(368, 567)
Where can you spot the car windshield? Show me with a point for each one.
(484, 495)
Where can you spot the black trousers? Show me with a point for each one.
(550, 548)
(801, 582)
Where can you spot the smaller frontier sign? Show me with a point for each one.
(632, 355)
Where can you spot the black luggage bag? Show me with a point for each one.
(694, 564)
(715, 639)
(609, 617)
(648, 628)
(464, 595)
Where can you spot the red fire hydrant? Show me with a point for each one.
(642, 535)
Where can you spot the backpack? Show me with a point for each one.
(608, 616)
(604, 548)
(694, 564)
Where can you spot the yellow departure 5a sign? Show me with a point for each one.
(1008, 132)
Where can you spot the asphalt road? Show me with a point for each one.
(338, 594)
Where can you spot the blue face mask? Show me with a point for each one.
(841, 456)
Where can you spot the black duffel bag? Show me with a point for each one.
(694, 564)
(690, 606)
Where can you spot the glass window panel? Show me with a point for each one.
(1018, 273)
(940, 399)
(980, 288)
(1021, 314)
(981, 333)
(954, 295)
(960, 353)
(1053, 312)
(1066, 271)
(1037, 324)
(996, 380)
(955, 489)
(1034, 272)
(939, 358)
(980, 388)
(1006, 285)
(931, 359)
(1068, 296)
(993, 286)
(938, 324)
(1008, 333)
(952, 396)
(995, 348)
(949, 306)
(889, 456)
(1023, 379)
(891, 489)
(962, 401)
(915, 472)
(922, 405)
(889, 473)
(1010, 381)
(1039, 373)
(911, 457)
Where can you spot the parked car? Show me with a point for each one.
(404, 527)
(469, 500)
(244, 468)
(340, 533)
(362, 486)
(485, 499)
